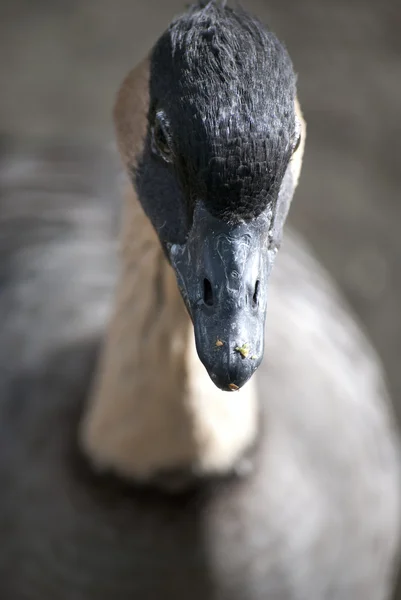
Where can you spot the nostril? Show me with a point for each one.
(207, 292)
(255, 296)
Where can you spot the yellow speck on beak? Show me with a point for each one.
(219, 343)
(233, 387)
(243, 350)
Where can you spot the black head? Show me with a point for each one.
(214, 175)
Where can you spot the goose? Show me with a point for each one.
(146, 451)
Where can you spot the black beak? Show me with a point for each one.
(222, 272)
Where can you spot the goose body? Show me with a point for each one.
(297, 498)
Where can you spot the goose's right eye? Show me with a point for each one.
(161, 144)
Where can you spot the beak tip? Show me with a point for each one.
(229, 370)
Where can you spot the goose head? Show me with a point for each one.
(212, 137)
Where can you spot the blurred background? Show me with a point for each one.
(62, 61)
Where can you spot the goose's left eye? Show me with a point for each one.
(296, 140)
(296, 143)
(161, 139)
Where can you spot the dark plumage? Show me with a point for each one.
(317, 515)
(315, 519)
(227, 88)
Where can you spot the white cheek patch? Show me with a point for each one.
(130, 113)
(296, 160)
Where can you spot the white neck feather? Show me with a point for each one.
(153, 405)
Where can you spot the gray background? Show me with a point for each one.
(61, 62)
